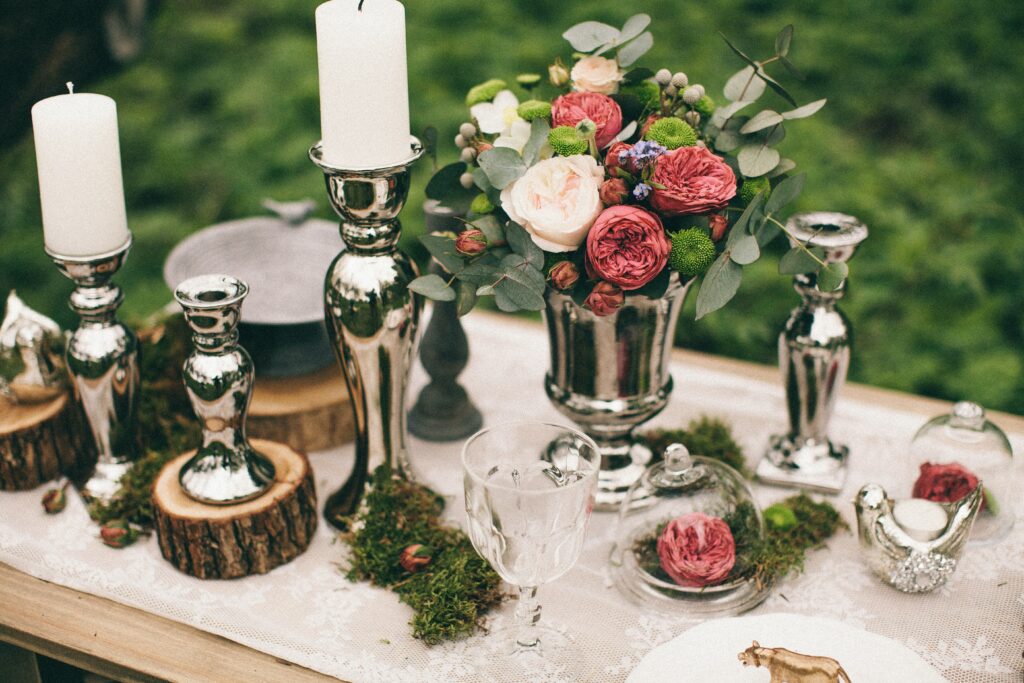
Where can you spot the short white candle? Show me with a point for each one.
(79, 161)
(923, 520)
(364, 83)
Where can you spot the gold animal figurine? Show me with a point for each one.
(793, 667)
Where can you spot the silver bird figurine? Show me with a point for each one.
(32, 366)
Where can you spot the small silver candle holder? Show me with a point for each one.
(372, 315)
(814, 356)
(218, 378)
(103, 359)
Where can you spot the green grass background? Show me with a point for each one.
(921, 139)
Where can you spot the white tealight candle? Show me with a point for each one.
(923, 520)
(364, 83)
(79, 161)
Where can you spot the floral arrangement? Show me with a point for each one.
(611, 180)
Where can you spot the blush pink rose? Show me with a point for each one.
(571, 108)
(695, 181)
(611, 158)
(945, 483)
(605, 299)
(627, 246)
(697, 550)
(614, 191)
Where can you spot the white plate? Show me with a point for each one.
(708, 652)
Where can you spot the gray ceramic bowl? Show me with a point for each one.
(283, 259)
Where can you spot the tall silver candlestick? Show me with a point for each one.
(103, 359)
(814, 356)
(372, 316)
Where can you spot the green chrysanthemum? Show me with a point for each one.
(481, 205)
(705, 106)
(485, 92)
(534, 109)
(672, 133)
(566, 142)
(647, 92)
(692, 252)
(752, 186)
(528, 81)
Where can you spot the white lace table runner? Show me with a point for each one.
(307, 613)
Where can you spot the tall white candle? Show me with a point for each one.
(79, 163)
(923, 520)
(364, 83)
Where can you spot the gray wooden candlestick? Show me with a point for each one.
(443, 411)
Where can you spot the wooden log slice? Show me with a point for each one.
(40, 441)
(309, 413)
(229, 541)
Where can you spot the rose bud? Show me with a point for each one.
(615, 156)
(605, 299)
(563, 275)
(718, 224)
(558, 75)
(614, 191)
(470, 242)
(414, 558)
(54, 500)
(118, 534)
(482, 147)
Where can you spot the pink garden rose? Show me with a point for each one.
(571, 108)
(627, 246)
(614, 191)
(611, 157)
(697, 550)
(946, 483)
(695, 181)
(605, 299)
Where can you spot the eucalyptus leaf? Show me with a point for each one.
(443, 250)
(719, 286)
(750, 215)
(590, 35)
(724, 113)
(744, 86)
(625, 133)
(785, 166)
(444, 186)
(735, 49)
(776, 135)
(727, 141)
(756, 160)
(521, 284)
(804, 111)
(429, 137)
(745, 251)
(791, 68)
(539, 129)
(491, 229)
(633, 27)
(640, 73)
(766, 233)
(434, 287)
(465, 298)
(796, 261)
(832, 276)
(635, 49)
(480, 273)
(521, 242)
(761, 120)
(502, 165)
(785, 192)
(783, 40)
(777, 87)
(486, 290)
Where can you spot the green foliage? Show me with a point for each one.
(692, 252)
(485, 92)
(707, 436)
(672, 133)
(452, 594)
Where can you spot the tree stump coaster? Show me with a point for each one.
(40, 441)
(229, 541)
(309, 413)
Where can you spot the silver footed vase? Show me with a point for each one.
(610, 374)
(372, 317)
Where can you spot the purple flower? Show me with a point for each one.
(641, 154)
(641, 191)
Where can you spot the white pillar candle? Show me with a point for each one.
(923, 520)
(364, 83)
(79, 163)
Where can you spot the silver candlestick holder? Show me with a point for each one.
(218, 378)
(814, 356)
(103, 360)
(372, 315)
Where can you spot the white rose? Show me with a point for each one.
(556, 200)
(596, 74)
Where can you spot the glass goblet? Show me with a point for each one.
(529, 495)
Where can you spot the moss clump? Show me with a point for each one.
(647, 92)
(451, 595)
(707, 436)
(705, 106)
(753, 186)
(531, 110)
(566, 141)
(672, 133)
(692, 252)
(485, 92)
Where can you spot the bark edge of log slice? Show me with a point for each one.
(309, 413)
(231, 541)
(41, 441)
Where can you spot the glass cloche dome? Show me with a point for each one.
(681, 537)
(951, 453)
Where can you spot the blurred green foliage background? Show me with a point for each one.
(922, 139)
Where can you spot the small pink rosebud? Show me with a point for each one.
(470, 242)
(118, 534)
(414, 558)
(54, 500)
(482, 147)
(718, 224)
(614, 191)
(563, 275)
(605, 299)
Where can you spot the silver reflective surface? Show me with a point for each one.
(609, 374)
(102, 357)
(31, 368)
(372, 317)
(218, 377)
(814, 356)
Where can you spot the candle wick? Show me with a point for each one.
(71, 87)
(360, 8)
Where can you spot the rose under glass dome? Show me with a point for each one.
(682, 537)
